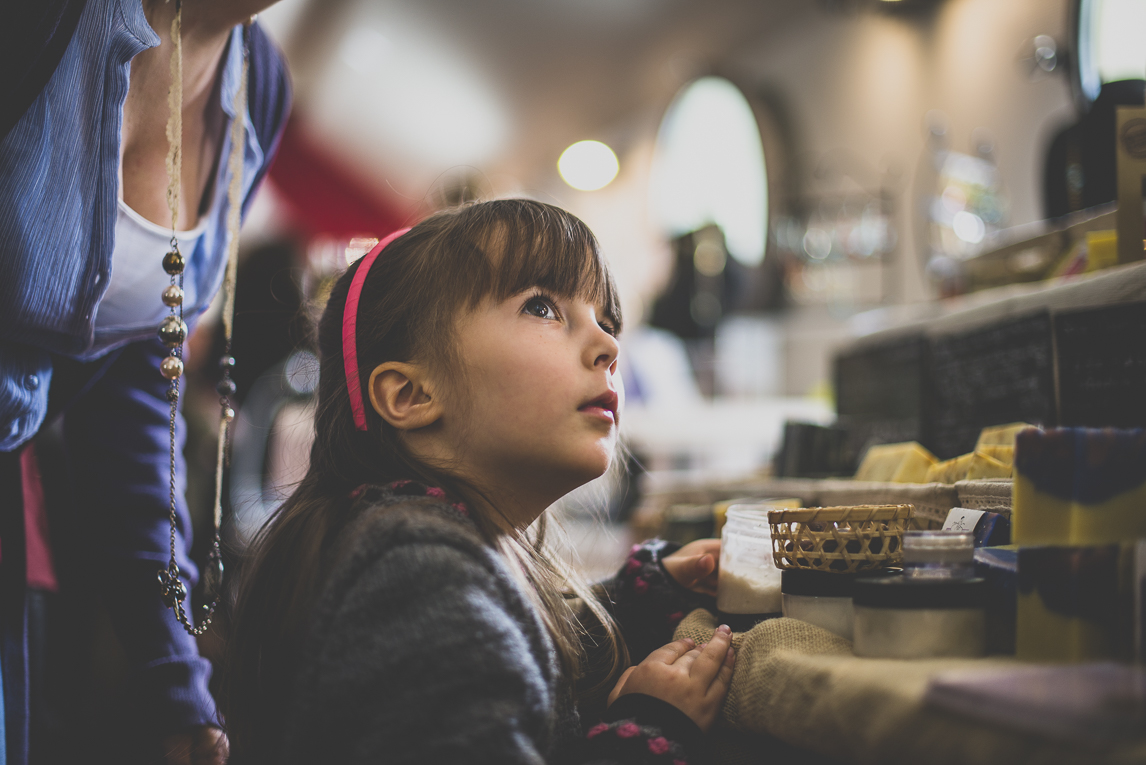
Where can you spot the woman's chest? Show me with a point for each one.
(150, 137)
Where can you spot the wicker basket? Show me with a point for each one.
(840, 539)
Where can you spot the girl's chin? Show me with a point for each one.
(593, 467)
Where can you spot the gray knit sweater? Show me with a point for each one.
(424, 648)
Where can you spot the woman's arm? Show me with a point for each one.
(117, 440)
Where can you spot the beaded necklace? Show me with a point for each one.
(173, 330)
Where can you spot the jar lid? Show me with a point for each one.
(949, 547)
(825, 584)
(909, 592)
(749, 520)
(938, 540)
(822, 584)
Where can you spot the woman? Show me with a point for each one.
(84, 224)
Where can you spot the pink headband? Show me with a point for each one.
(349, 327)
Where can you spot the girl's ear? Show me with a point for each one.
(401, 395)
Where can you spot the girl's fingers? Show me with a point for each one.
(724, 676)
(723, 679)
(711, 659)
(686, 570)
(668, 654)
(616, 692)
(685, 662)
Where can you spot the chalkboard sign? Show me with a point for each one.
(880, 392)
(1102, 366)
(991, 376)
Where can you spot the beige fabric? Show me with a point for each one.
(932, 501)
(989, 494)
(802, 685)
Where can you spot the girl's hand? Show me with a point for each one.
(694, 679)
(205, 745)
(695, 566)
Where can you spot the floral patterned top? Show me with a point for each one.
(646, 605)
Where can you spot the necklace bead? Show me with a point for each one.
(172, 296)
(173, 262)
(173, 331)
(171, 367)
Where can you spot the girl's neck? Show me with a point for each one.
(506, 511)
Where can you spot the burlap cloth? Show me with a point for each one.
(801, 685)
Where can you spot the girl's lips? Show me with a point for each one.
(604, 406)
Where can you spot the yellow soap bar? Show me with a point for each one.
(1004, 454)
(896, 463)
(1079, 486)
(950, 471)
(1069, 600)
(1038, 517)
(1101, 250)
(1000, 435)
(1045, 636)
(1118, 519)
(984, 466)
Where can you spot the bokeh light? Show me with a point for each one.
(588, 165)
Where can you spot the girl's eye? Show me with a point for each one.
(608, 327)
(540, 307)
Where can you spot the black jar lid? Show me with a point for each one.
(820, 584)
(912, 592)
(824, 584)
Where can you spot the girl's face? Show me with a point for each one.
(537, 412)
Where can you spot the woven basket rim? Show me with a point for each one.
(842, 513)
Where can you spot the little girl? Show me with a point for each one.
(401, 606)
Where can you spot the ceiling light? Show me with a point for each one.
(588, 165)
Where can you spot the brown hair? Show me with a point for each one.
(410, 301)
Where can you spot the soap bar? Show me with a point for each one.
(1079, 486)
(1004, 454)
(950, 471)
(896, 463)
(1071, 603)
(983, 466)
(1000, 435)
(981, 463)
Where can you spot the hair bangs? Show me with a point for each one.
(530, 244)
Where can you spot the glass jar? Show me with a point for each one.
(822, 598)
(919, 617)
(748, 587)
(939, 554)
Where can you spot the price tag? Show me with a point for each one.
(962, 519)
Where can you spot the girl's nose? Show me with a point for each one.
(603, 350)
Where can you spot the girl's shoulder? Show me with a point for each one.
(388, 520)
(403, 512)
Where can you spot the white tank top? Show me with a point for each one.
(137, 277)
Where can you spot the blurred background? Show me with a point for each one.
(769, 179)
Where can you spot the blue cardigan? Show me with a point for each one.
(59, 163)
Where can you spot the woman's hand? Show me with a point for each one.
(695, 566)
(694, 679)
